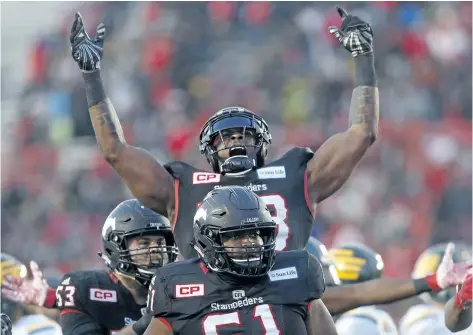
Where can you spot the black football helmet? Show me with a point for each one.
(318, 249)
(10, 266)
(128, 220)
(242, 157)
(356, 263)
(227, 212)
(428, 262)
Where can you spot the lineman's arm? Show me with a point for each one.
(319, 321)
(457, 319)
(159, 326)
(458, 315)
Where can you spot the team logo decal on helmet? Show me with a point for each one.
(355, 262)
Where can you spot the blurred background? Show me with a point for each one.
(170, 65)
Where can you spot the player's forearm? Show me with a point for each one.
(373, 292)
(364, 108)
(387, 290)
(107, 128)
(457, 319)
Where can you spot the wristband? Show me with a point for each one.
(365, 72)
(94, 89)
(421, 285)
(50, 301)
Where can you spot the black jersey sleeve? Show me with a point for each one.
(297, 156)
(315, 278)
(159, 301)
(177, 169)
(71, 293)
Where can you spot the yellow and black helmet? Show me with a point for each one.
(356, 263)
(13, 267)
(428, 262)
(318, 249)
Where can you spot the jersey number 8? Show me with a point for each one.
(277, 206)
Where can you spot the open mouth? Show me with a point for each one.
(237, 151)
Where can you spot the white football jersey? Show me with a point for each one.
(367, 320)
(36, 324)
(428, 319)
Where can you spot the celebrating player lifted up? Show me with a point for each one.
(239, 284)
(235, 142)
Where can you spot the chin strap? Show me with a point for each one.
(237, 164)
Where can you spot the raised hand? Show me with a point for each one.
(86, 52)
(354, 34)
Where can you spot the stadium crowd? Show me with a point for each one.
(182, 63)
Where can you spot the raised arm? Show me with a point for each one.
(336, 159)
(145, 177)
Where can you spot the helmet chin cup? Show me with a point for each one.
(237, 164)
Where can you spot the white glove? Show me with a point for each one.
(448, 273)
(27, 291)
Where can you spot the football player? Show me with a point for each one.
(319, 250)
(235, 142)
(238, 283)
(458, 314)
(367, 320)
(135, 241)
(362, 285)
(25, 320)
(356, 263)
(422, 318)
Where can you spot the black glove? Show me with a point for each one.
(139, 327)
(6, 325)
(86, 52)
(355, 34)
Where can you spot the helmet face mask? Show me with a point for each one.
(240, 259)
(137, 251)
(227, 155)
(234, 232)
(136, 241)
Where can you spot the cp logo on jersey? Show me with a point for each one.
(205, 178)
(103, 295)
(190, 290)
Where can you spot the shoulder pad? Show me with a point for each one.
(177, 168)
(305, 268)
(167, 277)
(298, 155)
(185, 267)
(76, 288)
